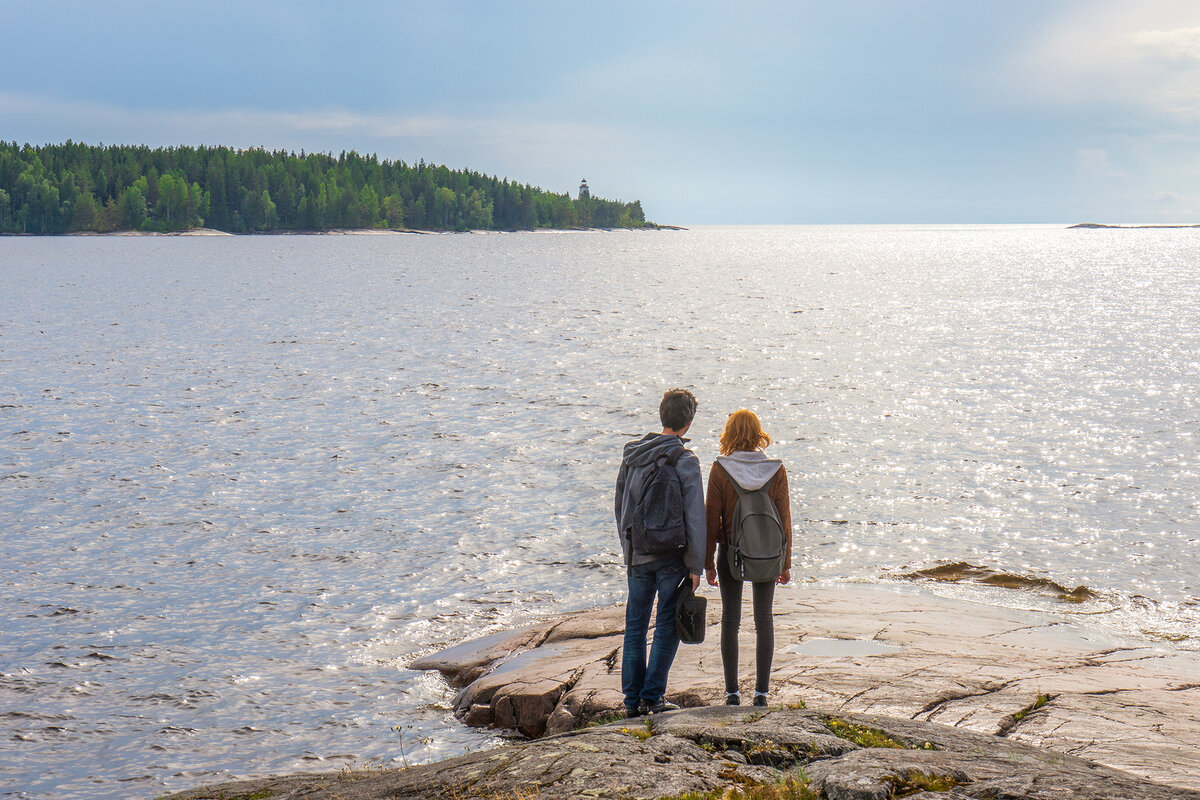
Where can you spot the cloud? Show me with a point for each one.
(1142, 56)
(1182, 44)
(1094, 163)
(523, 146)
(256, 127)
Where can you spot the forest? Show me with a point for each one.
(74, 187)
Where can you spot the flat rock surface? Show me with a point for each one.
(1025, 676)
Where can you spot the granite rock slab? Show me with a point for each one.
(713, 748)
(1021, 676)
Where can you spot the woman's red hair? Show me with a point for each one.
(743, 431)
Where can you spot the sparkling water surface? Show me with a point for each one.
(245, 480)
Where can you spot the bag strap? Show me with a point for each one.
(670, 458)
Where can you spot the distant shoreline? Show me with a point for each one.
(83, 187)
(1130, 227)
(341, 232)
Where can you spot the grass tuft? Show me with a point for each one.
(508, 794)
(1042, 699)
(790, 788)
(641, 733)
(861, 735)
(864, 736)
(604, 719)
(915, 781)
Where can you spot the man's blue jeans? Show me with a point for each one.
(642, 682)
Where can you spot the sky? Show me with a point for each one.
(791, 112)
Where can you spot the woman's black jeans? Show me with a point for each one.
(731, 620)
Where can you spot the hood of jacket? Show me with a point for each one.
(642, 452)
(750, 469)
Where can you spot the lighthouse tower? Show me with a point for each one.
(584, 192)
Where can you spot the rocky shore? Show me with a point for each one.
(878, 692)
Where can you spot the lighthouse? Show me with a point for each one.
(584, 192)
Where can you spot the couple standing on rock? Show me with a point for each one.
(706, 527)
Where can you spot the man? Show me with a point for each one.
(644, 684)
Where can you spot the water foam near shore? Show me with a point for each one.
(247, 480)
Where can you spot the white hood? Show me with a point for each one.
(751, 470)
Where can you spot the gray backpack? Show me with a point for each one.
(756, 535)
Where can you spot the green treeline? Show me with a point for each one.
(77, 187)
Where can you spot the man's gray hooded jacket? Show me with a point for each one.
(635, 466)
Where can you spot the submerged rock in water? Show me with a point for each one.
(962, 571)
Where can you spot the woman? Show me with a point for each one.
(742, 460)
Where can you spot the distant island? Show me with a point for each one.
(1099, 225)
(76, 188)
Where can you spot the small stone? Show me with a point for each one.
(478, 716)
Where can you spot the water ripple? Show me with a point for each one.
(246, 480)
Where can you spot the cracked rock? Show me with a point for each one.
(959, 664)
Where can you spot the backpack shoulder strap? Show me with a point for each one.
(669, 458)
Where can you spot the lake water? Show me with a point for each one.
(244, 481)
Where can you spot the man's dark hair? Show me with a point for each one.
(677, 409)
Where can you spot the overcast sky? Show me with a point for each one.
(751, 112)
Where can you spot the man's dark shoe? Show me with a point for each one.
(733, 699)
(635, 711)
(760, 700)
(659, 707)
